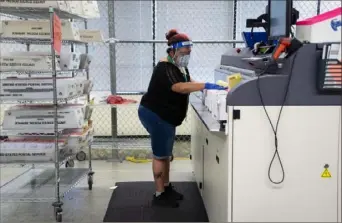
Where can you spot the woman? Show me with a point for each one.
(164, 107)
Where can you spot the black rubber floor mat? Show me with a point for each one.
(131, 202)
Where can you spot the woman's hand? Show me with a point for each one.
(211, 86)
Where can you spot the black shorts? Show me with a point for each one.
(162, 133)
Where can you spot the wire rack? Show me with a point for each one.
(37, 13)
(38, 184)
(36, 41)
(40, 72)
(42, 101)
(45, 184)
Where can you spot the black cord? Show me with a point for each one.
(275, 130)
(291, 31)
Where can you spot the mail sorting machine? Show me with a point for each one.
(241, 174)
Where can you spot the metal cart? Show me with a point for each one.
(41, 182)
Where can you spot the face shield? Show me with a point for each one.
(182, 53)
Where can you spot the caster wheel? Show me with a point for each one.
(81, 156)
(90, 182)
(69, 163)
(33, 183)
(59, 217)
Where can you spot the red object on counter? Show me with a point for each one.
(114, 99)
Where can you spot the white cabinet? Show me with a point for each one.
(217, 159)
(208, 152)
(197, 148)
(209, 173)
(215, 175)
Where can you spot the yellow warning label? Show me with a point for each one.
(326, 173)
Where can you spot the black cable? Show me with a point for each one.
(275, 130)
(291, 31)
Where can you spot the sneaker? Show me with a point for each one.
(170, 191)
(165, 201)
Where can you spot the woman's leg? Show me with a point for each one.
(161, 134)
(167, 173)
(168, 187)
(171, 132)
(162, 145)
(159, 172)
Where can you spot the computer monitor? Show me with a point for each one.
(279, 12)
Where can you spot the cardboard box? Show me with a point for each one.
(90, 9)
(1, 28)
(79, 83)
(42, 117)
(90, 36)
(72, 141)
(26, 150)
(34, 29)
(41, 4)
(78, 140)
(76, 7)
(85, 61)
(38, 88)
(27, 61)
(69, 60)
(88, 85)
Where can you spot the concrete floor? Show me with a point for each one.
(82, 205)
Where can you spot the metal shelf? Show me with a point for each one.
(38, 185)
(42, 164)
(41, 101)
(37, 41)
(37, 13)
(40, 72)
(48, 132)
(85, 140)
(26, 132)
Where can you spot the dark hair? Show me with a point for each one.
(173, 36)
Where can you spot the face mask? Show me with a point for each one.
(183, 60)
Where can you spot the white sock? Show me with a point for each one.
(158, 193)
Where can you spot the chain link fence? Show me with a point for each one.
(135, 54)
(125, 67)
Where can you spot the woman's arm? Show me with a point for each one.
(173, 81)
(187, 87)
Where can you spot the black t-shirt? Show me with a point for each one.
(159, 98)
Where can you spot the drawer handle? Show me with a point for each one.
(207, 141)
(217, 159)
